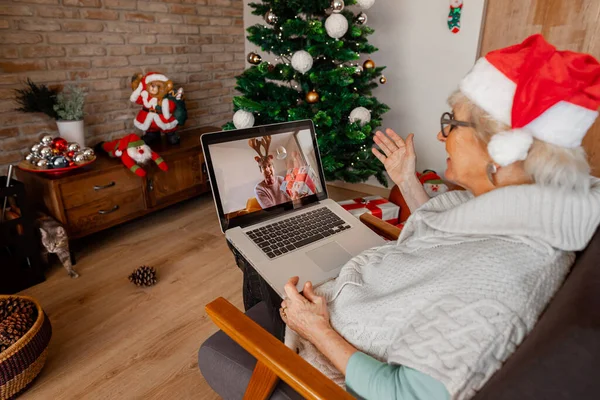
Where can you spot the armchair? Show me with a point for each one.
(557, 360)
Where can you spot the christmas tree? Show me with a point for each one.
(317, 44)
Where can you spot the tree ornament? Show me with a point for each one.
(74, 147)
(361, 18)
(59, 144)
(32, 158)
(337, 6)
(47, 140)
(382, 80)
(243, 119)
(360, 114)
(254, 58)
(369, 64)
(365, 4)
(43, 163)
(59, 162)
(79, 158)
(312, 97)
(88, 153)
(35, 149)
(302, 61)
(358, 70)
(454, 16)
(336, 25)
(271, 18)
(143, 276)
(45, 151)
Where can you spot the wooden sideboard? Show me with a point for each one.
(106, 193)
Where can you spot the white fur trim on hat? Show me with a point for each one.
(508, 147)
(155, 77)
(564, 124)
(491, 90)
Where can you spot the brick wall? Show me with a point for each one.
(100, 44)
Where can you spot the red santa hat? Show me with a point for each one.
(143, 86)
(131, 140)
(539, 92)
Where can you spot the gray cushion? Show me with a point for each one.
(227, 367)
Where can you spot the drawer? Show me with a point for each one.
(106, 211)
(89, 189)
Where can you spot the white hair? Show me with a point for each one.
(546, 164)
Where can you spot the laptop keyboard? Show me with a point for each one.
(296, 232)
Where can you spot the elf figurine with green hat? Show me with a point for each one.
(133, 151)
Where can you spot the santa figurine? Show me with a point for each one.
(133, 151)
(163, 110)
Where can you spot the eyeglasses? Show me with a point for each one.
(448, 123)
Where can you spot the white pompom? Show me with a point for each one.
(336, 25)
(118, 153)
(243, 119)
(302, 61)
(508, 147)
(365, 4)
(362, 114)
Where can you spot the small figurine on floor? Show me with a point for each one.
(163, 110)
(133, 151)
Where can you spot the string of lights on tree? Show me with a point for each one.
(316, 74)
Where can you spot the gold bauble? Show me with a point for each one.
(382, 80)
(369, 64)
(254, 58)
(312, 97)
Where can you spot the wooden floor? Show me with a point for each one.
(113, 340)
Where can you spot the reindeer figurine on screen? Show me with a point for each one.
(268, 191)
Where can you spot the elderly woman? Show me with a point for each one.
(435, 314)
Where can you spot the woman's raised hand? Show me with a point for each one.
(307, 315)
(398, 155)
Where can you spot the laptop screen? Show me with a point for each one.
(264, 170)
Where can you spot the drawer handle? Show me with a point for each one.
(103, 212)
(97, 187)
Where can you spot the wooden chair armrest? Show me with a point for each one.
(285, 363)
(380, 227)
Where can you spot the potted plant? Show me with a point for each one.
(65, 107)
(69, 108)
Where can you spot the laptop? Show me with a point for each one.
(271, 199)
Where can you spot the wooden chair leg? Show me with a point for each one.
(262, 383)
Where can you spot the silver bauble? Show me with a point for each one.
(79, 158)
(88, 153)
(358, 69)
(43, 163)
(47, 140)
(45, 151)
(361, 18)
(73, 147)
(271, 18)
(31, 158)
(337, 6)
(36, 148)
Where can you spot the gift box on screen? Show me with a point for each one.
(299, 181)
(376, 205)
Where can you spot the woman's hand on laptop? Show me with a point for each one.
(306, 314)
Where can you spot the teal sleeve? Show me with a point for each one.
(367, 378)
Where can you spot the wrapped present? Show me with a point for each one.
(376, 205)
(299, 182)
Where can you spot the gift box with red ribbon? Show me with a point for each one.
(376, 205)
(299, 182)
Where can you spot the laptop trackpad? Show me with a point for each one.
(329, 256)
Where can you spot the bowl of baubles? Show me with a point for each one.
(54, 156)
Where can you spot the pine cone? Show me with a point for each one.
(12, 305)
(13, 328)
(143, 276)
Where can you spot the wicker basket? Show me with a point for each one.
(23, 361)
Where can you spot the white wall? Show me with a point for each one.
(424, 63)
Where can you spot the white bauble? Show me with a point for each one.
(243, 119)
(362, 114)
(302, 61)
(336, 25)
(365, 4)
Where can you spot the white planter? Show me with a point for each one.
(72, 131)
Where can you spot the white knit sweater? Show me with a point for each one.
(464, 284)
